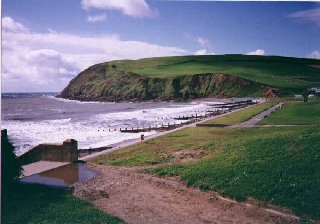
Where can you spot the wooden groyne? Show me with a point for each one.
(166, 127)
(162, 127)
(218, 109)
(238, 104)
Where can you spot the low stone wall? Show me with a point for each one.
(213, 125)
(67, 152)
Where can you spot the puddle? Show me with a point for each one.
(63, 176)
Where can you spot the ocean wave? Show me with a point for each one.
(28, 95)
(153, 114)
(78, 101)
(93, 131)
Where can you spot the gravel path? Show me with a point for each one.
(144, 198)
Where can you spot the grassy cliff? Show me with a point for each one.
(187, 77)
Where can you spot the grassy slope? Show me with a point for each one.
(278, 165)
(159, 150)
(242, 115)
(296, 113)
(42, 204)
(275, 71)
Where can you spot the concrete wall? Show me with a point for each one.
(67, 152)
(212, 125)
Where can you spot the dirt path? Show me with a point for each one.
(143, 198)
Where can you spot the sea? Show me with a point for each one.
(35, 118)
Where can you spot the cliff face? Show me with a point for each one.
(96, 83)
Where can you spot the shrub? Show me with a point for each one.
(10, 165)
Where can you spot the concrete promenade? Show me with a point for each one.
(254, 120)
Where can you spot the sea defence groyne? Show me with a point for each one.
(217, 109)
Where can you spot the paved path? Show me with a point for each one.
(254, 120)
(40, 166)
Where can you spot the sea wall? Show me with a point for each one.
(66, 152)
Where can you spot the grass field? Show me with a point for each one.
(296, 113)
(275, 71)
(242, 115)
(279, 165)
(46, 205)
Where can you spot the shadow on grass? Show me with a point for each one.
(33, 203)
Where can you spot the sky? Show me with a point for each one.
(46, 43)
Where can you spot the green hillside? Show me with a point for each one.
(186, 77)
(270, 70)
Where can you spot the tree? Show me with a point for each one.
(10, 165)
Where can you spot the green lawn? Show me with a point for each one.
(270, 70)
(296, 113)
(47, 205)
(277, 165)
(242, 115)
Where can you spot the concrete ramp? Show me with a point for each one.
(40, 166)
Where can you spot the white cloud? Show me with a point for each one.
(51, 30)
(8, 24)
(315, 54)
(97, 18)
(51, 63)
(257, 52)
(311, 16)
(203, 51)
(133, 8)
(203, 42)
(47, 61)
(205, 46)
